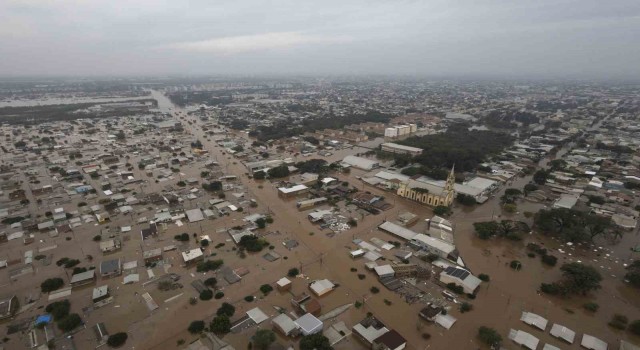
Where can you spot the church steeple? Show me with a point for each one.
(449, 188)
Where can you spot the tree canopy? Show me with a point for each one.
(263, 338)
(315, 342)
(489, 336)
(279, 172)
(577, 279)
(458, 146)
(571, 225)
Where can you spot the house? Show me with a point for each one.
(151, 256)
(80, 279)
(460, 277)
(360, 163)
(524, 339)
(391, 340)
(283, 284)
(563, 333)
(100, 293)
(384, 271)
(592, 343)
(208, 341)
(400, 149)
(309, 324)
(321, 287)
(101, 333)
(192, 256)
(110, 268)
(284, 324)
(430, 312)
(8, 307)
(369, 330)
(289, 192)
(151, 231)
(110, 246)
(534, 320)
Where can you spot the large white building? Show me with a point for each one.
(400, 149)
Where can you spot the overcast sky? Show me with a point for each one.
(510, 38)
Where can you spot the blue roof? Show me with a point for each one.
(43, 319)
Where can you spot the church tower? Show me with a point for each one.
(449, 191)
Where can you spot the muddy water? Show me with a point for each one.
(499, 303)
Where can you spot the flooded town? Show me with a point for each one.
(319, 213)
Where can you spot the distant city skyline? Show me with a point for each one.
(489, 39)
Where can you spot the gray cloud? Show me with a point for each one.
(545, 38)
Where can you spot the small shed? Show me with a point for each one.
(321, 287)
(283, 284)
(384, 271)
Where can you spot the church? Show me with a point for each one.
(432, 193)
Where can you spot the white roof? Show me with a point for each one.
(257, 316)
(360, 162)
(292, 189)
(447, 321)
(397, 230)
(132, 278)
(566, 201)
(534, 320)
(628, 346)
(387, 175)
(100, 291)
(384, 270)
(284, 322)
(369, 333)
(550, 347)
(438, 244)
(309, 324)
(402, 147)
(191, 254)
(194, 215)
(593, 343)
(321, 287)
(83, 276)
(562, 332)
(480, 183)
(524, 339)
(283, 282)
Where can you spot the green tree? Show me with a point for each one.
(441, 210)
(279, 172)
(196, 327)
(117, 340)
(315, 342)
(220, 325)
(59, 309)
(489, 336)
(206, 294)
(70, 322)
(226, 309)
(293, 272)
(259, 175)
(633, 274)
(540, 177)
(51, 284)
(263, 338)
(634, 327)
(261, 222)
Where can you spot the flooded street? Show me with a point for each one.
(499, 303)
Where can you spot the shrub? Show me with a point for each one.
(361, 276)
(549, 260)
(219, 295)
(293, 272)
(465, 307)
(551, 288)
(249, 298)
(117, 340)
(455, 288)
(196, 327)
(634, 327)
(426, 336)
(266, 289)
(374, 290)
(593, 307)
(357, 304)
(353, 269)
(209, 265)
(206, 294)
(619, 321)
(483, 277)
(69, 323)
(51, 284)
(97, 238)
(211, 282)
(489, 336)
(516, 265)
